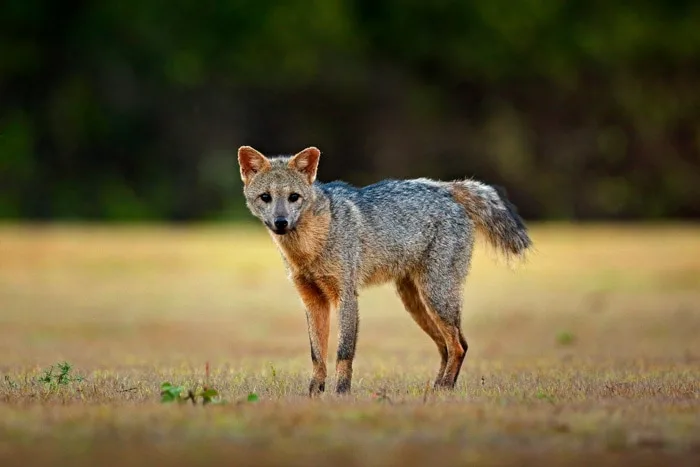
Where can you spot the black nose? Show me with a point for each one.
(281, 223)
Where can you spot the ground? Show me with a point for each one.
(587, 353)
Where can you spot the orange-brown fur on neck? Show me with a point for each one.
(302, 246)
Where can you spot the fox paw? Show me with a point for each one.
(343, 386)
(316, 387)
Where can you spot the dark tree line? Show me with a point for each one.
(134, 109)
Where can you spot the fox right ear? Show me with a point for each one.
(306, 162)
(251, 162)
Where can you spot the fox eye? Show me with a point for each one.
(266, 198)
(293, 197)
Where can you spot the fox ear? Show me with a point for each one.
(251, 162)
(306, 162)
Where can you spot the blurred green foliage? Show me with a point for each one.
(134, 109)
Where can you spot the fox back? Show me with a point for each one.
(392, 224)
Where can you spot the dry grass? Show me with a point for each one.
(589, 353)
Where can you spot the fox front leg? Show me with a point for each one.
(348, 322)
(318, 320)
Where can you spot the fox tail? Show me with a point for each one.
(494, 216)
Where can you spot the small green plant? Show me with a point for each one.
(207, 395)
(565, 338)
(252, 397)
(171, 393)
(59, 375)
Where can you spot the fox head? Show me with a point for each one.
(278, 190)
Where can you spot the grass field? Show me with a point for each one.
(587, 354)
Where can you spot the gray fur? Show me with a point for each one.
(414, 233)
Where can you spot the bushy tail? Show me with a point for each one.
(495, 217)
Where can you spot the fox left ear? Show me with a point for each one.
(306, 162)
(251, 162)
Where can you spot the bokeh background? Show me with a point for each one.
(133, 109)
(127, 251)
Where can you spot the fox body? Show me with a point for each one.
(336, 238)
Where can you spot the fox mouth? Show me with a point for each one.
(282, 231)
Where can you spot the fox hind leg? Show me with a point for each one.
(440, 284)
(444, 304)
(410, 296)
